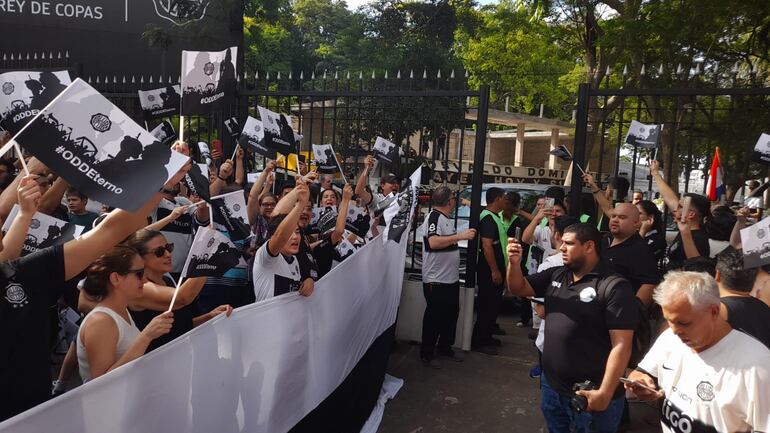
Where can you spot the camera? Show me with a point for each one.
(579, 403)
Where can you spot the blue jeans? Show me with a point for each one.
(561, 418)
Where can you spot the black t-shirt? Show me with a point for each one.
(656, 242)
(324, 254)
(750, 316)
(633, 260)
(31, 285)
(307, 264)
(676, 255)
(183, 321)
(488, 229)
(577, 338)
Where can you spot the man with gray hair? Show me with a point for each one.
(711, 378)
(441, 277)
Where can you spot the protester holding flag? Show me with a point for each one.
(24, 311)
(108, 337)
(276, 268)
(388, 184)
(159, 289)
(692, 240)
(754, 200)
(260, 204)
(28, 195)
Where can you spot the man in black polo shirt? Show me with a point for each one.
(742, 311)
(591, 315)
(627, 254)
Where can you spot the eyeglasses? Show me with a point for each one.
(139, 273)
(161, 250)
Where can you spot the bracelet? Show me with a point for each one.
(222, 178)
(594, 192)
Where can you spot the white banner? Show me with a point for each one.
(261, 370)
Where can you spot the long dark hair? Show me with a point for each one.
(139, 240)
(657, 217)
(97, 281)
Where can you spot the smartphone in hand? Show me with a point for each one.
(637, 384)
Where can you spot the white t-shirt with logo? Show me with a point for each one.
(725, 388)
(274, 275)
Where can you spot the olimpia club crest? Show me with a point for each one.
(181, 12)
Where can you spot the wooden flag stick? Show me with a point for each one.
(344, 178)
(232, 158)
(21, 157)
(176, 289)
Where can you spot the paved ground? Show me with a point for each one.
(482, 394)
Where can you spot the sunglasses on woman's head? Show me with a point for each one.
(161, 250)
(138, 272)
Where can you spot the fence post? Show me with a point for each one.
(579, 151)
(476, 183)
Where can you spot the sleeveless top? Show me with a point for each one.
(183, 320)
(127, 332)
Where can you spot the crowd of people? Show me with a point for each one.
(114, 293)
(631, 316)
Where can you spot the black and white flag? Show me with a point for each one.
(208, 80)
(762, 149)
(162, 102)
(24, 94)
(253, 138)
(211, 255)
(756, 244)
(357, 220)
(233, 128)
(643, 135)
(230, 215)
(324, 219)
(562, 153)
(98, 149)
(164, 132)
(386, 152)
(278, 132)
(44, 231)
(399, 213)
(197, 181)
(325, 158)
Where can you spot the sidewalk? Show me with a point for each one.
(483, 394)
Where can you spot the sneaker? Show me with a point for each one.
(451, 355)
(487, 350)
(432, 363)
(535, 372)
(523, 324)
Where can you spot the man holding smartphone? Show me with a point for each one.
(711, 377)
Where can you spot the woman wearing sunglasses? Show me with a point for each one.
(108, 337)
(159, 289)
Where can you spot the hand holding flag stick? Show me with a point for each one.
(564, 154)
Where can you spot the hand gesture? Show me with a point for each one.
(303, 193)
(683, 224)
(347, 192)
(270, 166)
(178, 211)
(654, 168)
(307, 286)
(514, 251)
(467, 235)
(240, 154)
(159, 325)
(589, 180)
(369, 162)
(175, 179)
(311, 176)
(226, 169)
(226, 309)
(28, 194)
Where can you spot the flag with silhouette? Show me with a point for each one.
(197, 181)
(325, 159)
(386, 151)
(24, 94)
(44, 231)
(278, 132)
(161, 102)
(164, 132)
(253, 138)
(643, 135)
(211, 255)
(562, 153)
(230, 215)
(208, 80)
(762, 149)
(98, 149)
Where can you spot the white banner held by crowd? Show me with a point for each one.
(261, 370)
(98, 149)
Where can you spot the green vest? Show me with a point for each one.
(501, 232)
(584, 218)
(506, 224)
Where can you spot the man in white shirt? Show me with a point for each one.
(711, 377)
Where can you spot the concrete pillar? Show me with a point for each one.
(554, 145)
(518, 153)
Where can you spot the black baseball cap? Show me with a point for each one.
(390, 178)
